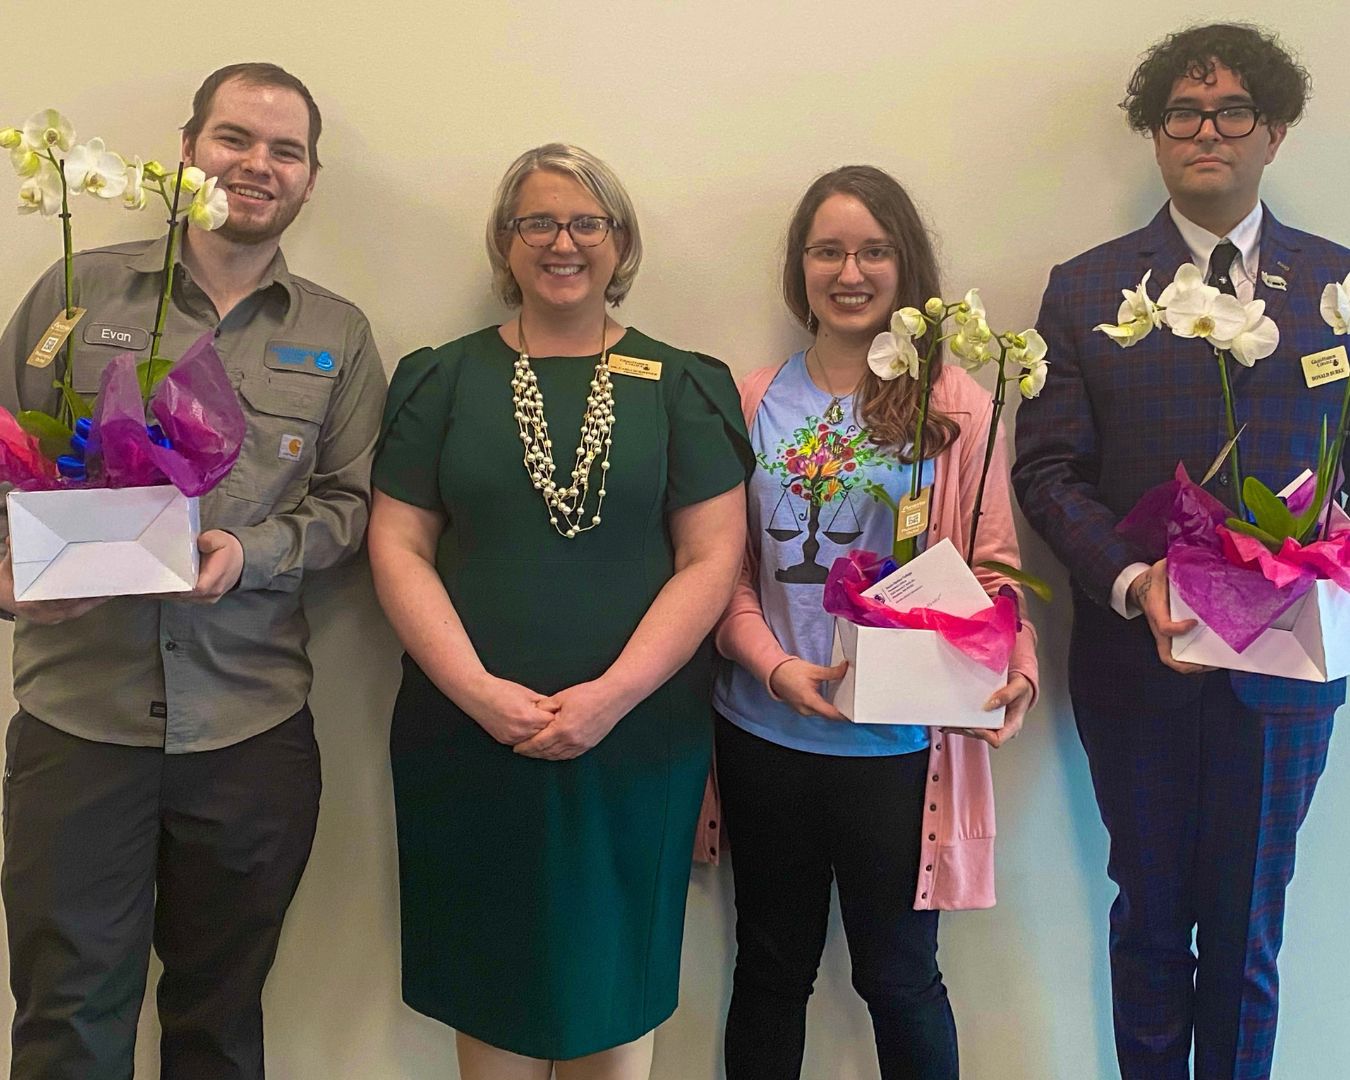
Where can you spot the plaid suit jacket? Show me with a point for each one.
(1113, 422)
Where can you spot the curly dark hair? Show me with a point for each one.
(1278, 83)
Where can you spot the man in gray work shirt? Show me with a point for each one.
(162, 778)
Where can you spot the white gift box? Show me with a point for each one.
(1310, 641)
(82, 542)
(913, 676)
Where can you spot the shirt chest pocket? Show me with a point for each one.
(284, 414)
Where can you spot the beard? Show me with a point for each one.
(261, 229)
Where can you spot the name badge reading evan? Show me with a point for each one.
(911, 518)
(49, 344)
(1327, 366)
(631, 365)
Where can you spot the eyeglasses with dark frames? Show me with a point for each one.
(1231, 122)
(539, 230)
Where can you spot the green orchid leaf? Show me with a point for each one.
(1248, 529)
(1306, 523)
(1037, 585)
(53, 436)
(1271, 514)
(79, 406)
(158, 367)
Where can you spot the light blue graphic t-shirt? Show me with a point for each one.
(811, 501)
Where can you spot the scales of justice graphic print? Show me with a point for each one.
(821, 468)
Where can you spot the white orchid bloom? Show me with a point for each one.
(41, 194)
(971, 342)
(971, 307)
(193, 179)
(1258, 338)
(1187, 279)
(908, 321)
(892, 355)
(48, 130)
(1028, 349)
(26, 161)
(1336, 306)
(1031, 384)
(210, 206)
(94, 168)
(1196, 310)
(135, 197)
(1137, 318)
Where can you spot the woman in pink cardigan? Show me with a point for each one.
(888, 812)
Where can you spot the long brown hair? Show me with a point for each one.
(889, 410)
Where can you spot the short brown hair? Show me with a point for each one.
(889, 409)
(255, 74)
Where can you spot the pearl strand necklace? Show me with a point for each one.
(566, 505)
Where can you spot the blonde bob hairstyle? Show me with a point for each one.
(603, 186)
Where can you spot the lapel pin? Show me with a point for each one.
(1274, 281)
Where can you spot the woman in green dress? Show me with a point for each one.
(554, 593)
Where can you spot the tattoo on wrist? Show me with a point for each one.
(1142, 591)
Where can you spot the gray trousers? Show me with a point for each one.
(111, 848)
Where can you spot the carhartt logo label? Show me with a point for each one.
(130, 338)
(291, 447)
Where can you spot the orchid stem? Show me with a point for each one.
(67, 414)
(1234, 464)
(170, 250)
(1000, 393)
(1337, 451)
(904, 550)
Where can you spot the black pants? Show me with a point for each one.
(108, 848)
(795, 822)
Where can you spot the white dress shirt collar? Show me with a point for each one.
(1246, 237)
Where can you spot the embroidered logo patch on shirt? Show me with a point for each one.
(291, 356)
(291, 446)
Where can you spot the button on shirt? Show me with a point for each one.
(1246, 237)
(182, 676)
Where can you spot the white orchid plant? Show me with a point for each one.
(1018, 357)
(53, 170)
(1190, 308)
(1335, 309)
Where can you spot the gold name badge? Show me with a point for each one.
(1327, 366)
(631, 365)
(912, 516)
(49, 344)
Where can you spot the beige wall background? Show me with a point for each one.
(1001, 120)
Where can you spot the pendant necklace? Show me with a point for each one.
(834, 411)
(566, 505)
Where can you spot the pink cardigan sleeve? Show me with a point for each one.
(742, 635)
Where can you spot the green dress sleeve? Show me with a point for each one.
(416, 419)
(709, 451)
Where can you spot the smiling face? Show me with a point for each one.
(560, 276)
(849, 303)
(1215, 181)
(256, 140)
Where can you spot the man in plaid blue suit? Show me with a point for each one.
(1202, 777)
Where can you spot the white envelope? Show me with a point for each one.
(102, 542)
(914, 676)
